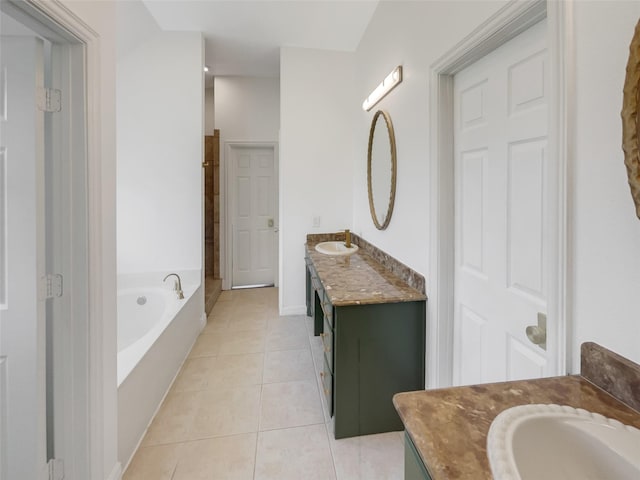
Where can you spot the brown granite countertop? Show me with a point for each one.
(359, 279)
(449, 426)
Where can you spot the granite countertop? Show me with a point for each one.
(359, 279)
(449, 426)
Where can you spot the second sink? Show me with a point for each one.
(336, 248)
(554, 442)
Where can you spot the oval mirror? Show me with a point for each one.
(381, 169)
(631, 119)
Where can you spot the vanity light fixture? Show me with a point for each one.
(389, 83)
(206, 69)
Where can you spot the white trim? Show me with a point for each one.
(299, 310)
(89, 385)
(225, 206)
(116, 473)
(512, 19)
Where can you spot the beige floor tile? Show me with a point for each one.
(173, 421)
(295, 323)
(238, 369)
(286, 339)
(157, 463)
(244, 341)
(215, 327)
(247, 322)
(288, 365)
(195, 374)
(370, 457)
(290, 404)
(309, 323)
(221, 312)
(223, 458)
(227, 411)
(206, 345)
(253, 370)
(294, 454)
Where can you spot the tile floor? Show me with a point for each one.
(247, 405)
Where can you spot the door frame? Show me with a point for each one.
(226, 194)
(512, 19)
(77, 59)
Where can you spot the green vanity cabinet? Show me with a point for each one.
(414, 468)
(378, 352)
(315, 297)
(371, 352)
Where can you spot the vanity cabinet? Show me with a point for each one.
(414, 468)
(371, 352)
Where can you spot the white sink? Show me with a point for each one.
(336, 248)
(554, 442)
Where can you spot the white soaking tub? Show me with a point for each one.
(156, 331)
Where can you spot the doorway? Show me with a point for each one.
(49, 327)
(510, 21)
(252, 215)
(211, 165)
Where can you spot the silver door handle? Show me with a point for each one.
(537, 334)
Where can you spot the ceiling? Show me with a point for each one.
(243, 37)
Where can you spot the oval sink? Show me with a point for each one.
(336, 248)
(554, 442)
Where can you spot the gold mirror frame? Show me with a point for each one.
(631, 119)
(392, 195)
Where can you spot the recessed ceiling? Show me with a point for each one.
(243, 37)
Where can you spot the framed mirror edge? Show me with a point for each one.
(631, 118)
(392, 195)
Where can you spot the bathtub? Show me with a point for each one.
(156, 331)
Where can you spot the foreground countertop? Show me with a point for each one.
(359, 279)
(449, 426)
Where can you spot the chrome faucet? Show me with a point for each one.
(177, 286)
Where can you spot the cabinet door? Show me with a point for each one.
(378, 352)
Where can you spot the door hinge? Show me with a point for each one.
(52, 286)
(56, 469)
(49, 99)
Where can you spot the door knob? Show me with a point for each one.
(537, 334)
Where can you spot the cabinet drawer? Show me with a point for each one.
(327, 343)
(327, 308)
(327, 387)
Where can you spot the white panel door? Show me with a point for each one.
(22, 331)
(253, 220)
(500, 131)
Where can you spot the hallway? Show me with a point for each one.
(247, 405)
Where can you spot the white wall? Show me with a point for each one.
(209, 111)
(247, 108)
(318, 110)
(412, 34)
(101, 17)
(606, 232)
(160, 95)
(135, 26)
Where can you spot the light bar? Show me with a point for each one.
(389, 83)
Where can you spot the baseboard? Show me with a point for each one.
(116, 473)
(295, 310)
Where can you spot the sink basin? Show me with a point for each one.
(336, 248)
(554, 442)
